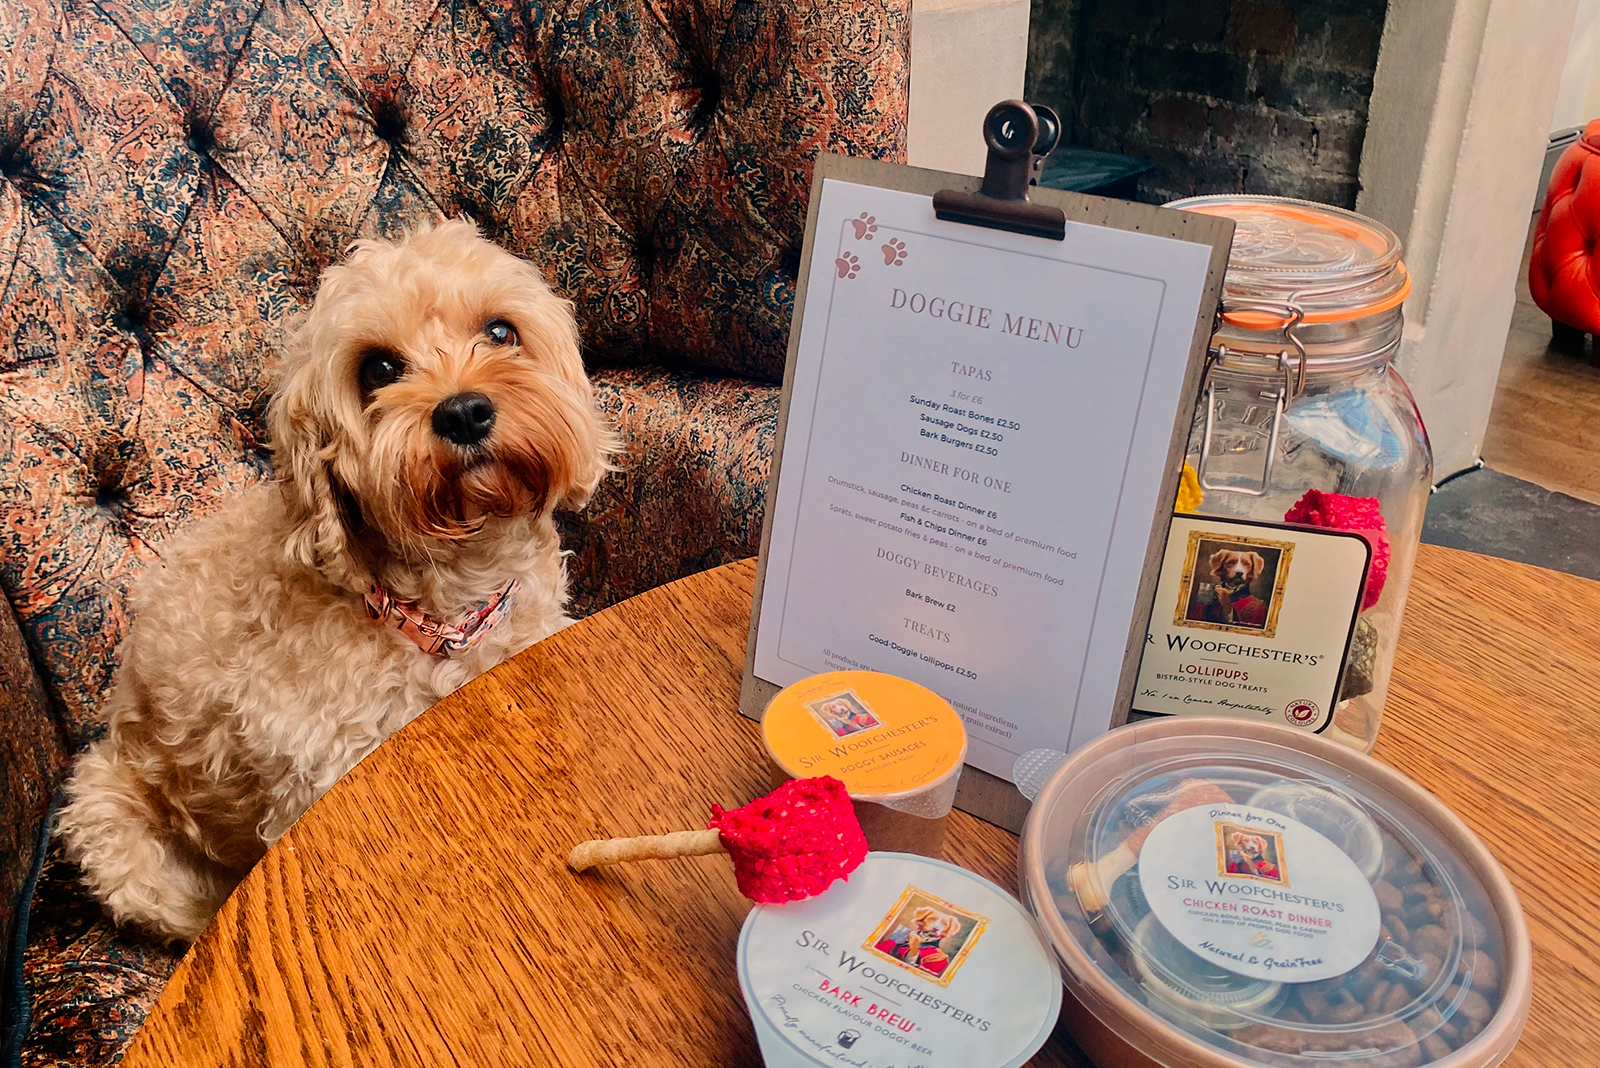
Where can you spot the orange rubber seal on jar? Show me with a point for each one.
(1254, 319)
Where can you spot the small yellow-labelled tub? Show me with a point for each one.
(898, 747)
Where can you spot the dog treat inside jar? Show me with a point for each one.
(1307, 475)
(1225, 893)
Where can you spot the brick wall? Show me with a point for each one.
(1252, 96)
(1052, 58)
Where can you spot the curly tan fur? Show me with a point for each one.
(251, 678)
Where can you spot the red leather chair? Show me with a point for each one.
(1564, 273)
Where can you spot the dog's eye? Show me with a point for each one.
(500, 332)
(379, 368)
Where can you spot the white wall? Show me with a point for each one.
(1461, 109)
(1579, 98)
(966, 57)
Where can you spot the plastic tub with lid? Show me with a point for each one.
(910, 961)
(1225, 894)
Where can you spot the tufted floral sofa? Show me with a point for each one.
(174, 174)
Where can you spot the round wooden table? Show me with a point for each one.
(422, 912)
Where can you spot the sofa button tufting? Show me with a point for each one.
(135, 316)
(200, 140)
(110, 498)
(710, 99)
(387, 122)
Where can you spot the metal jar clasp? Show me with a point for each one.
(1293, 369)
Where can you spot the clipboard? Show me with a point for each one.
(1005, 200)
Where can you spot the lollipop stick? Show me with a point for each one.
(790, 845)
(650, 847)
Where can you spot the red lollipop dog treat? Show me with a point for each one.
(1335, 511)
(789, 845)
(793, 843)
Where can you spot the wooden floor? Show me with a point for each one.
(1545, 425)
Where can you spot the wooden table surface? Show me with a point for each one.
(422, 913)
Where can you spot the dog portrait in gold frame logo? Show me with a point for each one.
(1251, 853)
(1233, 583)
(927, 935)
(844, 714)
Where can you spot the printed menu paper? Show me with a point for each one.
(978, 430)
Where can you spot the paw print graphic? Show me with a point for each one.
(847, 265)
(894, 253)
(866, 225)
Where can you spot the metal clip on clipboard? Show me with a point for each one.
(1019, 137)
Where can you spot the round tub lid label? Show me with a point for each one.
(1259, 893)
(878, 733)
(910, 962)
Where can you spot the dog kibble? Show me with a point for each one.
(1360, 664)
(1478, 968)
(1389, 899)
(1431, 967)
(1378, 995)
(1432, 909)
(1432, 939)
(1360, 986)
(1429, 1019)
(1396, 998)
(1314, 1002)
(1474, 1006)
(1436, 1047)
(1272, 1039)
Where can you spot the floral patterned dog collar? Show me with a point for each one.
(432, 636)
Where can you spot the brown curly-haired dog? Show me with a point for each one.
(432, 413)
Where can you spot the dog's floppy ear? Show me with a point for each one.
(1217, 559)
(319, 534)
(550, 331)
(1257, 564)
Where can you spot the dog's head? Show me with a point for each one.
(931, 922)
(1249, 844)
(1235, 568)
(435, 384)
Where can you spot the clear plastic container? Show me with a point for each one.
(1300, 394)
(1224, 893)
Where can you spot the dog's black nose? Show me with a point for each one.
(464, 419)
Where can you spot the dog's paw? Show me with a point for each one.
(847, 265)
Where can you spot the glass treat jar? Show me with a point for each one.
(1302, 419)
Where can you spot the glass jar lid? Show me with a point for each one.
(1331, 264)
